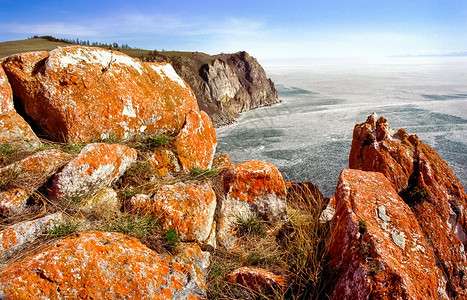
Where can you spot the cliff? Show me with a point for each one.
(225, 85)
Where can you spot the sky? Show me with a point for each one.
(267, 29)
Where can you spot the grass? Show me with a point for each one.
(172, 238)
(149, 142)
(137, 226)
(203, 174)
(297, 250)
(62, 229)
(249, 225)
(413, 194)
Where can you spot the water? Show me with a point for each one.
(308, 136)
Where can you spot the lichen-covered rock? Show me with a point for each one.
(187, 208)
(98, 265)
(20, 179)
(252, 188)
(164, 163)
(196, 143)
(256, 279)
(103, 204)
(16, 132)
(84, 93)
(95, 167)
(6, 94)
(426, 183)
(377, 249)
(221, 162)
(18, 236)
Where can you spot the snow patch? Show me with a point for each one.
(169, 72)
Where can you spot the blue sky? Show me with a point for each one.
(265, 28)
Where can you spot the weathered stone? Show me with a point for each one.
(95, 167)
(256, 279)
(99, 265)
(426, 183)
(221, 162)
(164, 163)
(84, 93)
(252, 188)
(104, 204)
(187, 208)
(196, 143)
(16, 237)
(377, 249)
(16, 132)
(6, 94)
(22, 178)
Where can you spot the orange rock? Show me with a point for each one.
(221, 162)
(187, 208)
(256, 279)
(426, 182)
(95, 167)
(250, 188)
(164, 163)
(16, 132)
(6, 94)
(196, 143)
(377, 248)
(27, 175)
(97, 265)
(84, 93)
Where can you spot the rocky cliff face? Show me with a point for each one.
(225, 85)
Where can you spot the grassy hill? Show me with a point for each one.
(44, 44)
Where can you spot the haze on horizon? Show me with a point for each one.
(266, 29)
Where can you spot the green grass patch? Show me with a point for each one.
(61, 229)
(133, 225)
(172, 238)
(203, 174)
(152, 141)
(249, 225)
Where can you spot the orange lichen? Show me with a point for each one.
(8, 238)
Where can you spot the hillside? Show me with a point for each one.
(225, 85)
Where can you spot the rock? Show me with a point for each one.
(377, 248)
(221, 162)
(98, 265)
(18, 236)
(257, 279)
(86, 93)
(187, 208)
(20, 179)
(104, 204)
(95, 167)
(6, 94)
(15, 132)
(164, 163)
(427, 184)
(250, 188)
(13, 129)
(196, 143)
(225, 85)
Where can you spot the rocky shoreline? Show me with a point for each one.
(122, 196)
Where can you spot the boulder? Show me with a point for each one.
(427, 184)
(104, 204)
(99, 265)
(97, 166)
(196, 143)
(252, 188)
(187, 208)
(6, 94)
(256, 279)
(18, 236)
(164, 163)
(20, 179)
(377, 249)
(85, 93)
(13, 129)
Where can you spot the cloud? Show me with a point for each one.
(57, 29)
